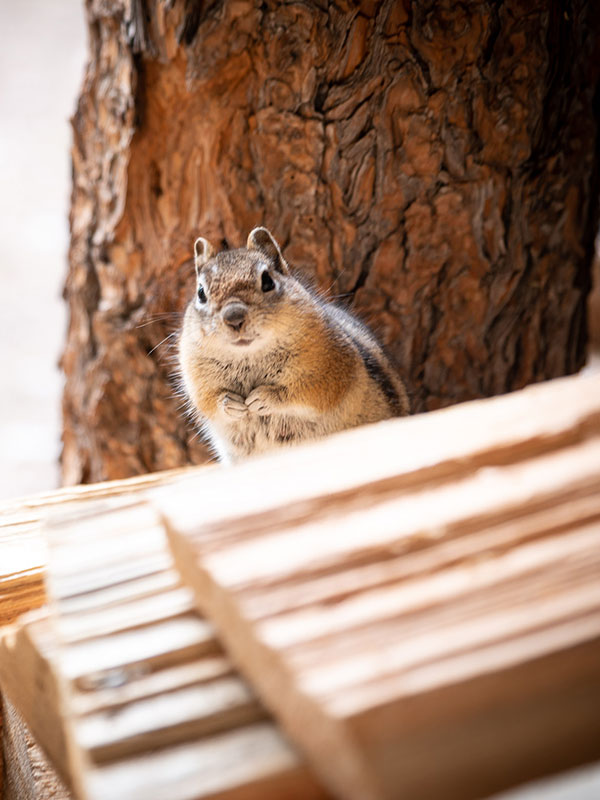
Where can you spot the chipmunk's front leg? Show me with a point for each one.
(216, 403)
(265, 400)
(270, 399)
(232, 405)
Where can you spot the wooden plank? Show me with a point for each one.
(144, 593)
(150, 702)
(250, 763)
(23, 554)
(437, 603)
(245, 761)
(22, 566)
(379, 461)
(27, 678)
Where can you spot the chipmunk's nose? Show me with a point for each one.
(234, 315)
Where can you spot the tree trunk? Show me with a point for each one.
(434, 164)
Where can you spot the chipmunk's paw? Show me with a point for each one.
(233, 405)
(263, 400)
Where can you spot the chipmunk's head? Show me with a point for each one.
(239, 293)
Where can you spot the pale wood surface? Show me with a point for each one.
(23, 548)
(435, 602)
(154, 708)
(141, 668)
(22, 564)
(27, 678)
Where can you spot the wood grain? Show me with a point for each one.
(27, 678)
(440, 589)
(22, 567)
(150, 703)
(23, 550)
(142, 627)
(437, 603)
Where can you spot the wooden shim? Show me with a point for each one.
(148, 590)
(249, 763)
(382, 460)
(152, 705)
(22, 550)
(27, 678)
(246, 761)
(440, 613)
(36, 505)
(23, 561)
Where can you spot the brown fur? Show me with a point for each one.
(267, 365)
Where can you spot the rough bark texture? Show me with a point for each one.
(25, 772)
(434, 163)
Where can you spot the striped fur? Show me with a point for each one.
(297, 368)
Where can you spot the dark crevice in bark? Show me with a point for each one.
(321, 97)
(506, 214)
(139, 90)
(91, 298)
(575, 355)
(363, 274)
(513, 370)
(583, 274)
(138, 27)
(191, 21)
(194, 12)
(494, 32)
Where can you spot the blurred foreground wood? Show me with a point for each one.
(23, 548)
(25, 674)
(153, 705)
(425, 621)
(418, 603)
(124, 685)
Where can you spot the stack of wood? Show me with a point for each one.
(416, 606)
(122, 683)
(27, 649)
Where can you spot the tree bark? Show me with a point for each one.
(434, 164)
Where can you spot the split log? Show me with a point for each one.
(234, 759)
(423, 622)
(29, 686)
(139, 686)
(435, 165)
(23, 652)
(23, 551)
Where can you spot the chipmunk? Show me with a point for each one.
(267, 363)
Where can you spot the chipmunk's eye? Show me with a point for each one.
(267, 282)
(201, 294)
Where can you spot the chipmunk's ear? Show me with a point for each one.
(261, 239)
(203, 251)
